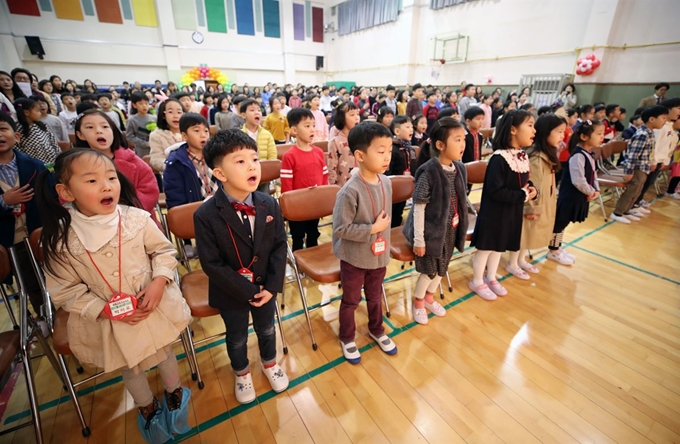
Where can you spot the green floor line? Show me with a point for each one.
(616, 261)
(270, 394)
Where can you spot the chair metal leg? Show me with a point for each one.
(604, 213)
(74, 398)
(283, 336)
(32, 395)
(190, 342)
(303, 296)
(37, 332)
(10, 312)
(441, 290)
(448, 281)
(387, 306)
(187, 352)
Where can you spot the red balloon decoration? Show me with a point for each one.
(587, 65)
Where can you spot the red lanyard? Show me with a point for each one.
(375, 215)
(120, 270)
(238, 255)
(475, 138)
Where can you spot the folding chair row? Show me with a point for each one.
(604, 179)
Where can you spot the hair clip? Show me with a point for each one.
(50, 167)
(589, 122)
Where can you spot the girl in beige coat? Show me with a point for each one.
(539, 214)
(97, 251)
(166, 134)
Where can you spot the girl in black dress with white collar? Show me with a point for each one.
(506, 188)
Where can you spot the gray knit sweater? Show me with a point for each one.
(353, 218)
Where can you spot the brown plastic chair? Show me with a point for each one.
(64, 146)
(271, 171)
(194, 284)
(5, 271)
(160, 204)
(282, 149)
(400, 248)
(486, 133)
(213, 130)
(323, 144)
(317, 263)
(72, 138)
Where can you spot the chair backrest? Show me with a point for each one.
(323, 144)
(486, 133)
(5, 267)
(601, 151)
(618, 146)
(213, 130)
(402, 188)
(147, 159)
(308, 203)
(476, 171)
(64, 146)
(271, 170)
(72, 138)
(282, 149)
(36, 248)
(181, 220)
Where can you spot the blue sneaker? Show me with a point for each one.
(176, 409)
(351, 352)
(152, 424)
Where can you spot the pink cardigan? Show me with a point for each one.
(141, 176)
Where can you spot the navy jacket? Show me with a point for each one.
(180, 180)
(227, 289)
(29, 169)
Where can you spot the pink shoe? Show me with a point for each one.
(483, 291)
(496, 287)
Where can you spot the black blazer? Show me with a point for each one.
(267, 250)
(469, 153)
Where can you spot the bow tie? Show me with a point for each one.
(248, 209)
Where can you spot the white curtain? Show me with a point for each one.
(355, 15)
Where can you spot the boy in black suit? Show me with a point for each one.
(242, 240)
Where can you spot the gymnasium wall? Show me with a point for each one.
(509, 38)
(110, 41)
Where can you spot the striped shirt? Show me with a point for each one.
(40, 143)
(640, 149)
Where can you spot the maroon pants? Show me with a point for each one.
(352, 279)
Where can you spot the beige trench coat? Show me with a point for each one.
(76, 286)
(537, 233)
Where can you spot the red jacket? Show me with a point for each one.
(141, 176)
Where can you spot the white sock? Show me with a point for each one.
(422, 285)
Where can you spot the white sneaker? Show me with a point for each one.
(559, 257)
(642, 210)
(419, 315)
(277, 377)
(569, 255)
(621, 219)
(385, 343)
(635, 217)
(645, 204)
(673, 196)
(436, 308)
(351, 352)
(243, 388)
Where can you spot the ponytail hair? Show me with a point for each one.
(56, 219)
(21, 106)
(516, 117)
(439, 133)
(586, 128)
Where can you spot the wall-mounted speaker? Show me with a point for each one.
(35, 46)
(319, 62)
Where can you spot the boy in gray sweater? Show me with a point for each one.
(137, 131)
(361, 235)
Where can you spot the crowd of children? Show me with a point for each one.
(96, 204)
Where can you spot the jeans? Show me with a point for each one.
(236, 322)
(352, 279)
(651, 178)
(304, 233)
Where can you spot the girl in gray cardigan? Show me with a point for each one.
(437, 222)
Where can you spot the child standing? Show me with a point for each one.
(187, 178)
(675, 166)
(431, 110)
(69, 114)
(276, 123)
(303, 166)
(361, 236)
(18, 209)
(242, 239)
(321, 126)
(85, 241)
(54, 123)
(403, 160)
(539, 214)
(638, 165)
(104, 101)
(140, 124)
(437, 223)
(251, 112)
(167, 132)
(94, 129)
(223, 115)
(419, 123)
(340, 158)
(506, 188)
(385, 116)
(36, 139)
(578, 186)
(474, 120)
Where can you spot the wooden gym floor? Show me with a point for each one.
(589, 354)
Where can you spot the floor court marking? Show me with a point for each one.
(616, 261)
(312, 373)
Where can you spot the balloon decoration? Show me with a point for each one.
(587, 65)
(203, 72)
